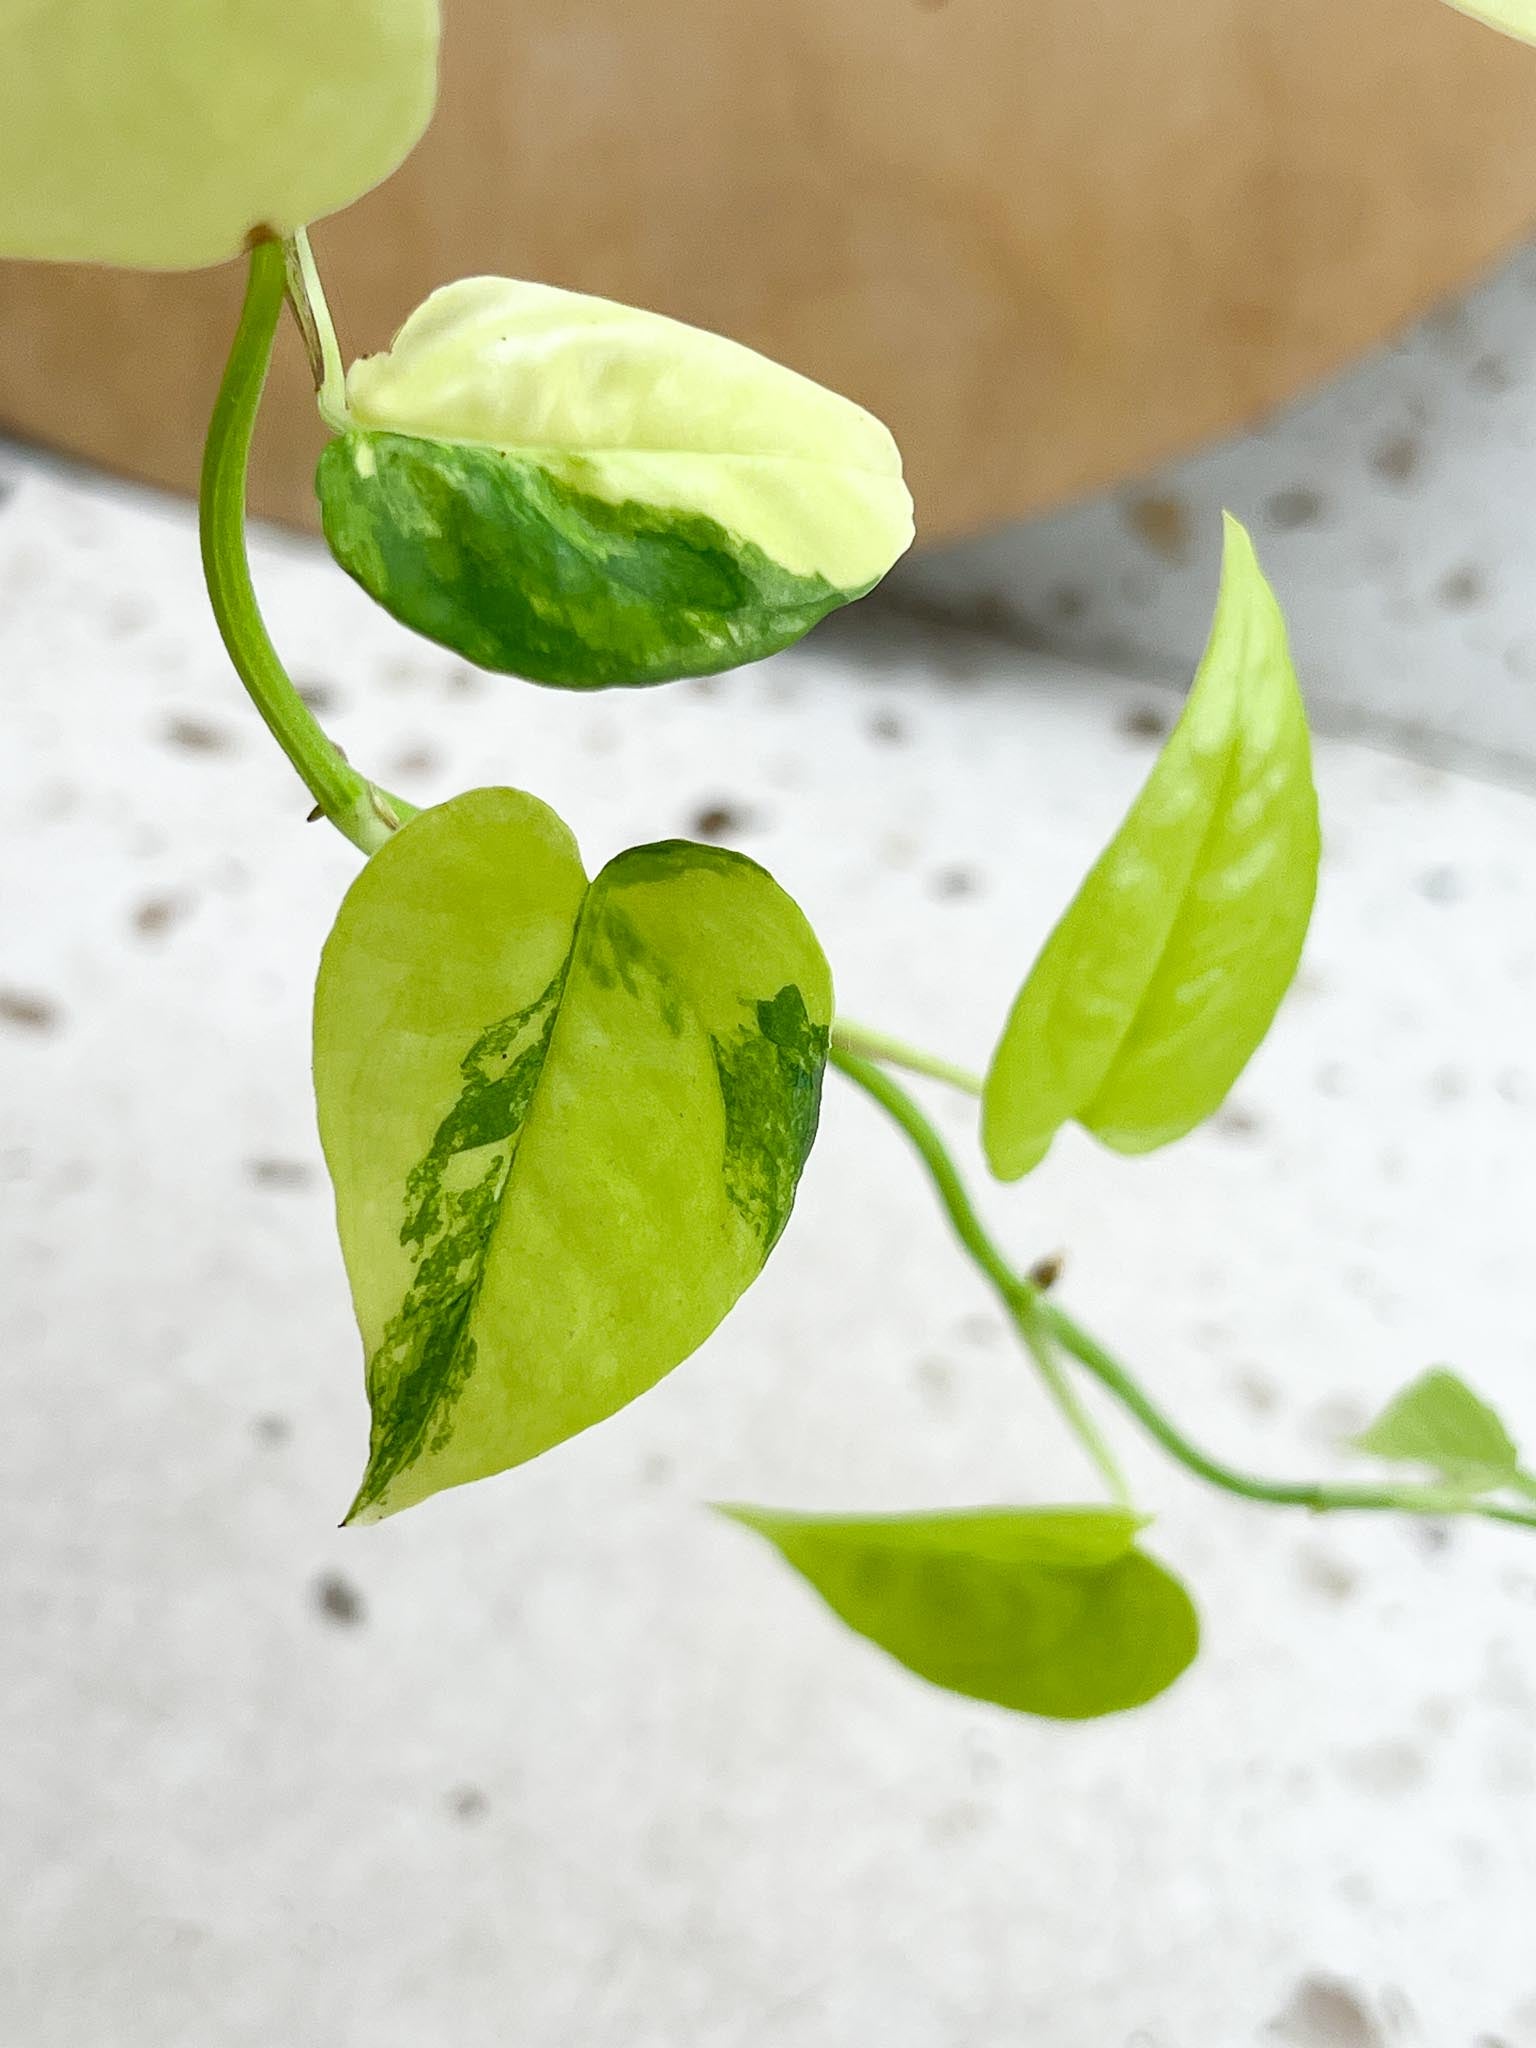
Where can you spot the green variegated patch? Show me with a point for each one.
(770, 1071)
(1050, 1611)
(491, 555)
(586, 494)
(162, 136)
(565, 1123)
(1166, 970)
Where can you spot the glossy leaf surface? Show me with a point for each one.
(1163, 976)
(1050, 1611)
(565, 1123)
(160, 136)
(1438, 1421)
(586, 494)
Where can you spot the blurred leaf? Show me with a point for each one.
(1160, 981)
(1050, 1611)
(162, 136)
(1514, 17)
(586, 494)
(1438, 1421)
(565, 1123)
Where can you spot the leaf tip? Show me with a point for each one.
(367, 1506)
(1239, 557)
(743, 1513)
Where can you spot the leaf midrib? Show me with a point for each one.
(1234, 750)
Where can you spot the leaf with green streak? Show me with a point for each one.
(585, 494)
(565, 1122)
(1050, 1611)
(1438, 1421)
(1163, 976)
(160, 136)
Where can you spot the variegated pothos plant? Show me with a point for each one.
(566, 1116)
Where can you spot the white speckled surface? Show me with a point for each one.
(557, 1760)
(1395, 508)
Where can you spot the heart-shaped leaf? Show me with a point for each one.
(565, 1123)
(1438, 1421)
(1050, 1611)
(162, 136)
(586, 494)
(1163, 976)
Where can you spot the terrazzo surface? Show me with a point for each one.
(560, 1760)
(1394, 506)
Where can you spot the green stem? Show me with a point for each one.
(868, 1044)
(931, 1149)
(1019, 1296)
(1037, 1342)
(365, 814)
(1040, 1322)
(1304, 1493)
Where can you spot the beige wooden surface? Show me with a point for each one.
(1050, 242)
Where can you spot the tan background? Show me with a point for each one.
(1052, 243)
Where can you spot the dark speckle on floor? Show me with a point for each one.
(1299, 506)
(156, 914)
(1234, 1120)
(271, 1430)
(1258, 1393)
(1397, 458)
(1163, 523)
(1441, 885)
(415, 760)
(197, 735)
(1149, 722)
(280, 1173)
(952, 882)
(1325, 2012)
(722, 821)
(338, 1601)
(1327, 1576)
(1067, 604)
(468, 1803)
(1462, 589)
(1490, 373)
(28, 1010)
(1384, 1768)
